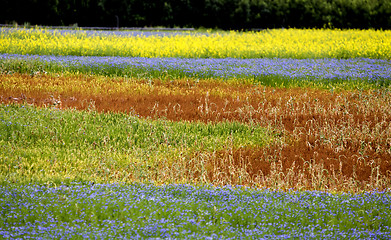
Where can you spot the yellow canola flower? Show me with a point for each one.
(281, 43)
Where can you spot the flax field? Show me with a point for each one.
(281, 133)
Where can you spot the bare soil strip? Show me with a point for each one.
(329, 140)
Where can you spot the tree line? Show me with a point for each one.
(223, 14)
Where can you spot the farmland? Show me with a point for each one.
(296, 121)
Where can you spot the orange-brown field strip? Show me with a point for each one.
(335, 139)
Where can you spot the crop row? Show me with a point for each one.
(272, 72)
(77, 210)
(281, 43)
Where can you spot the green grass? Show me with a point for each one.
(47, 144)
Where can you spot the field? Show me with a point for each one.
(273, 134)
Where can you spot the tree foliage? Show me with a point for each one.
(224, 14)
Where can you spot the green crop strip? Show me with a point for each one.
(49, 144)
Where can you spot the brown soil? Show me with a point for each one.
(346, 133)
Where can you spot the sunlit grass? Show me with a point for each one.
(50, 144)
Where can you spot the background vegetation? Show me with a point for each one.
(224, 14)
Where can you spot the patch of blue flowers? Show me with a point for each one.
(140, 211)
(375, 71)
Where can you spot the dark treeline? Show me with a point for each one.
(224, 14)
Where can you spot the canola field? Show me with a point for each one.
(290, 43)
(204, 134)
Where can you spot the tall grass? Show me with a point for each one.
(55, 145)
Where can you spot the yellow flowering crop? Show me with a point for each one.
(281, 43)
